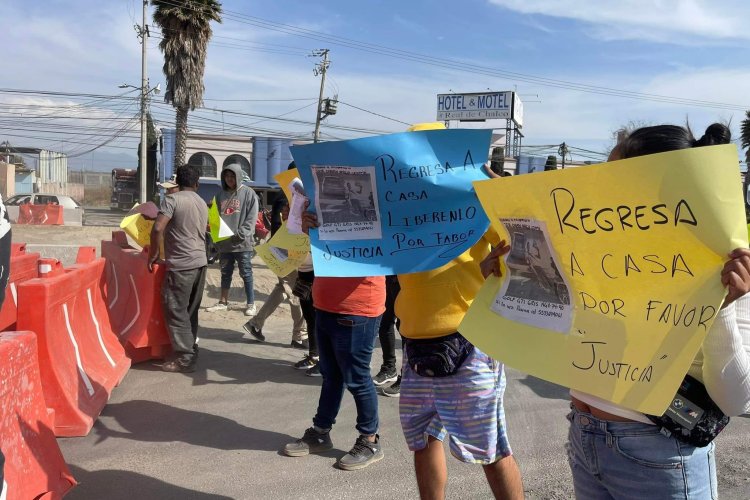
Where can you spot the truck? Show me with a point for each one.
(124, 189)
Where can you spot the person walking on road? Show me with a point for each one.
(181, 225)
(281, 291)
(238, 207)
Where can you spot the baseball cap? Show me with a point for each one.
(169, 183)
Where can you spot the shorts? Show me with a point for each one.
(467, 406)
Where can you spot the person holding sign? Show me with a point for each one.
(449, 388)
(238, 208)
(348, 313)
(181, 228)
(615, 452)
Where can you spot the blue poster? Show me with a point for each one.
(394, 204)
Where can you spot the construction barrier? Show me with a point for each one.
(134, 300)
(34, 465)
(23, 266)
(80, 358)
(40, 214)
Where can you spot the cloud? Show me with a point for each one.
(676, 21)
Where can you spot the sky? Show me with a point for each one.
(571, 61)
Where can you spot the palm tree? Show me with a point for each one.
(745, 136)
(185, 30)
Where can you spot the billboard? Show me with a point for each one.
(480, 106)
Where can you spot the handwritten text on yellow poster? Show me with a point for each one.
(613, 278)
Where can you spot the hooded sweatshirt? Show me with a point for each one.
(239, 210)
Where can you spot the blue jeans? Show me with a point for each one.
(626, 460)
(245, 268)
(345, 345)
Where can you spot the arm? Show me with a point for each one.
(157, 236)
(247, 228)
(726, 350)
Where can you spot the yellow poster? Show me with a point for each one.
(138, 227)
(284, 239)
(219, 229)
(613, 277)
(280, 260)
(285, 179)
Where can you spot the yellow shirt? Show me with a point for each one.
(433, 303)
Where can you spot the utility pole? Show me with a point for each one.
(320, 68)
(143, 33)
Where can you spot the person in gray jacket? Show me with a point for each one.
(238, 207)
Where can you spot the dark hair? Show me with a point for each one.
(291, 165)
(662, 138)
(187, 176)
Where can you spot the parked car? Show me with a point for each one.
(44, 199)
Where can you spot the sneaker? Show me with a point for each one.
(392, 391)
(312, 442)
(251, 310)
(219, 306)
(384, 377)
(300, 344)
(177, 366)
(256, 333)
(305, 363)
(314, 371)
(362, 454)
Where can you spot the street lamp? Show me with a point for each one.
(145, 91)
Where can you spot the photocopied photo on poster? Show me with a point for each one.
(536, 293)
(281, 254)
(296, 206)
(346, 203)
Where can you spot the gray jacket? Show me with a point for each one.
(239, 210)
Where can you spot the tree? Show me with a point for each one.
(185, 30)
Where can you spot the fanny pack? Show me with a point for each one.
(440, 357)
(692, 416)
(302, 288)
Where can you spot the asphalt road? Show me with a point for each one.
(98, 216)
(215, 434)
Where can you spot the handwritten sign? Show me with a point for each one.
(613, 278)
(394, 204)
(284, 239)
(280, 260)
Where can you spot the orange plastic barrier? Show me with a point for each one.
(34, 465)
(40, 214)
(23, 266)
(134, 300)
(80, 359)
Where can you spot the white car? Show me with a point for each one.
(44, 199)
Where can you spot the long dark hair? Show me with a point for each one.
(661, 138)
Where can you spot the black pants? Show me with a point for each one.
(387, 331)
(308, 312)
(181, 296)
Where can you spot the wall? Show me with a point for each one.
(7, 180)
(73, 190)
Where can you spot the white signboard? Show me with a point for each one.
(480, 106)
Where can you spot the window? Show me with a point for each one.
(42, 199)
(242, 162)
(206, 163)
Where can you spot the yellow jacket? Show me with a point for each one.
(433, 303)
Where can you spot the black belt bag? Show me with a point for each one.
(302, 288)
(692, 416)
(440, 357)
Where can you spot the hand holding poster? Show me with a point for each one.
(613, 277)
(394, 204)
(219, 229)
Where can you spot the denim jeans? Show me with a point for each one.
(626, 460)
(245, 268)
(345, 344)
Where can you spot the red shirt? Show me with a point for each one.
(355, 296)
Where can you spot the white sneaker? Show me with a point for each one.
(250, 310)
(219, 306)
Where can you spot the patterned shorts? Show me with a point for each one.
(467, 406)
